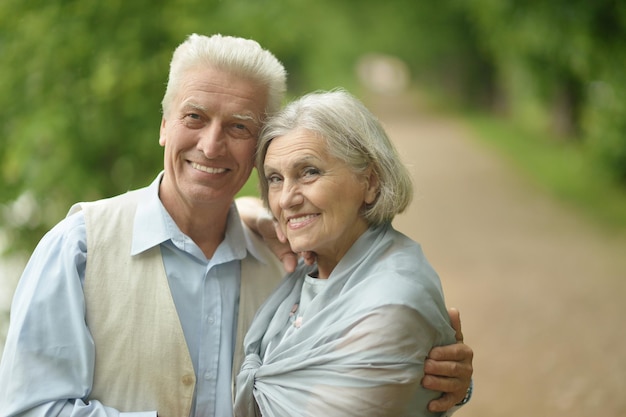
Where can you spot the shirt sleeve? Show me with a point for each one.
(48, 360)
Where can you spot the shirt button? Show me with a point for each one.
(211, 320)
(187, 380)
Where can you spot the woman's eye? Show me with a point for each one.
(273, 179)
(310, 171)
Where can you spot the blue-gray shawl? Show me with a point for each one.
(361, 347)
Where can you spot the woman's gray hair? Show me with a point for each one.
(352, 134)
(239, 56)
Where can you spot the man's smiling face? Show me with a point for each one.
(209, 134)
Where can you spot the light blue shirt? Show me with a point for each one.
(48, 309)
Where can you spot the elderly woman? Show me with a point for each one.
(346, 336)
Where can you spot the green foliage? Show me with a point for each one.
(82, 113)
(251, 187)
(604, 120)
(560, 68)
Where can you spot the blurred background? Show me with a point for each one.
(511, 114)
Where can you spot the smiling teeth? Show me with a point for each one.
(207, 169)
(297, 220)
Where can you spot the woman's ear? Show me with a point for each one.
(372, 186)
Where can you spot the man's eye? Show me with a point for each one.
(192, 120)
(241, 131)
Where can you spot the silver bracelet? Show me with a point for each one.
(468, 394)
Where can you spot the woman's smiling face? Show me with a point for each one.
(315, 197)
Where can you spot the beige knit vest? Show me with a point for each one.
(142, 361)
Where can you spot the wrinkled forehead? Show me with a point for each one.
(209, 88)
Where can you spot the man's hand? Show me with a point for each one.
(260, 221)
(449, 369)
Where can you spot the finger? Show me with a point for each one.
(443, 403)
(279, 233)
(290, 261)
(309, 257)
(458, 352)
(460, 370)
(455, 321)
(453, 390)
(444, 384)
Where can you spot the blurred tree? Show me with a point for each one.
(561, 67)
(80, 95)
(604, 116)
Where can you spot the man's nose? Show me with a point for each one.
(212, 140)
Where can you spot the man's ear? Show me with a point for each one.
(162, 133)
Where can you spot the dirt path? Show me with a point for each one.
(541, 290)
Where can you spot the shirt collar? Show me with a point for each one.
(149, 228)
(153, 226)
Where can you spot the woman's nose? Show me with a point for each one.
(291, 195)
